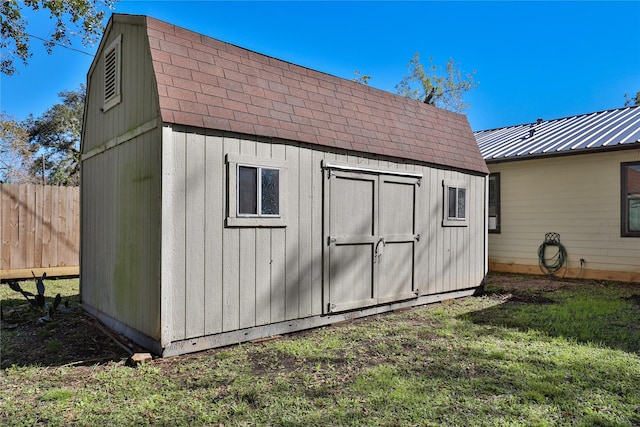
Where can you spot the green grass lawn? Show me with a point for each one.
(566, 354)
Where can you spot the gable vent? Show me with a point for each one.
(112, 74)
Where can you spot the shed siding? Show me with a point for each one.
(576, 196)
(226, 278)
(138, 88)
(121, 173)
(120, 233)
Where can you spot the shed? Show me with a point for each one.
(578, 177)
(228, 196)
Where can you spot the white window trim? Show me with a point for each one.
(234, 219)
(454, 222)
(116, 97)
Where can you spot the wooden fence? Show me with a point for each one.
(39, 230)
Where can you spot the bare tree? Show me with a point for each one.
(432, 85)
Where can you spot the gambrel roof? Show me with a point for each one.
(586, 133)
(206, 83)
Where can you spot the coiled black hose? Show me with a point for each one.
(555, 263)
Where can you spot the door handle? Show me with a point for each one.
(379, 249)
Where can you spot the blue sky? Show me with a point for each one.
(532, 59)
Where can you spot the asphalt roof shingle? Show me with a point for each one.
(206, 83)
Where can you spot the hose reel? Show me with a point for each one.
(554, 263)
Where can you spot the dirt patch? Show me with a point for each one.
(633, 299)
(69, 338)
(514, 282)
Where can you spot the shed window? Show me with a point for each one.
(258, 191)
(112, 74)
(630, 177)
(494, 203)
(455, 203)
(255, 192)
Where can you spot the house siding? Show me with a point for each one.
(576, 196)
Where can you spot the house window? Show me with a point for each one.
(630, 218)
(255, 192)
(258, 191)
(455, 203)
(112, 74)
(494, 203)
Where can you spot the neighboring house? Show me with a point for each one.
(229, 196)
(576, 176)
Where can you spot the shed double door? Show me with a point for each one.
(370, 240)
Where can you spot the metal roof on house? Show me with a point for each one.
(207, 83)
(600, 131)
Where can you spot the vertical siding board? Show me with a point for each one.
(292, 236)
(231, 263)
(278, 257)
(195, 232)
(109, 204)
(247, 278)
(247, 251)
(434, 231)
(305, 195)
(263, 260)
(178, 232)
(445, 248)
(422, 221)
(316, 231)
(263, 276)
(214, 214)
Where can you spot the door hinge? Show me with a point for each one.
(331, 240)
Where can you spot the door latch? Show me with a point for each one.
(379, 250)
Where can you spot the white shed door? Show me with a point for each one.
(369, 239)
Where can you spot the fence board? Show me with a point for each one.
(39, 230)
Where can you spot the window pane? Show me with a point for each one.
(452, 202)
(247, 190)
(493, 196)
(633, 180)
(634, 215)
(632, 186)
(461, 203)
(270, 192)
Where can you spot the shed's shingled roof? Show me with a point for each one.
(207, 83)
(585, 133)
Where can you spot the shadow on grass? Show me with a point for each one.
(604, 316)
(69, 338)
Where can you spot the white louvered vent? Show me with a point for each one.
(112, 74)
